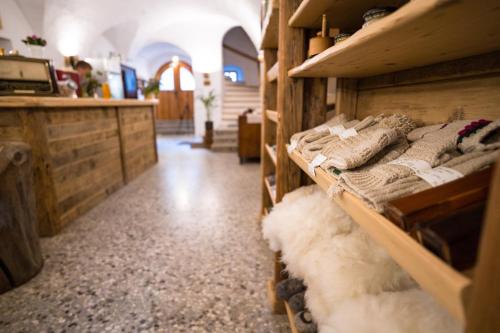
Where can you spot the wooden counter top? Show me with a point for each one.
(55, 102)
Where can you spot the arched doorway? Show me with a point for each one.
(177, 85)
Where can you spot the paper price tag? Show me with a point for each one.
(415, 165)
(439, 176)
(292, 146)
(316, 162)
(336, 130)
(348, 133)
(321, 128)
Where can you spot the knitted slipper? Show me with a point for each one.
(480, 135)
(376, 197)
(289, 287)
(304, 322)
(300, 139)
(420, 132)
(297, 302)
(356, 150)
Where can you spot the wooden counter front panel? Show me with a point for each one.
(80, 154)
(138, 140)
(85, 149)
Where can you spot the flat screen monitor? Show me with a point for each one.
(129, 78)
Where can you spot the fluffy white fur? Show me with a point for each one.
(348, 266)
(303, 218)
(411, 311)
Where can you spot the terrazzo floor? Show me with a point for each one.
(177, 250)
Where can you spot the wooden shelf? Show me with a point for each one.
(291, 318)
(420, 33)
(309, 13)
(272, 194)
(270, 27)
(272, 74)
(448, 286)
(276, 304)
(272, 115)
(272, 154)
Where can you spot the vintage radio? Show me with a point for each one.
(26, 77)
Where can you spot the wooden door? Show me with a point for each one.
(175, 103)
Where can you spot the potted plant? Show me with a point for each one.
(36, 45)
(209, 103)
(152, 89)
(91, 84)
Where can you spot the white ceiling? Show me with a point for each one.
(130, 26)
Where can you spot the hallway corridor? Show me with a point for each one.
(177, 250)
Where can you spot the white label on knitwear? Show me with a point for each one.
(415, 165)
(292, 146)
(321, 128)
(316, 162)
(439, 176)
(336, 130)
(348, 133)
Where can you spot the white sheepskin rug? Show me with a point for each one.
(339, 264)
(304, 218)
(348, 266)
(412, 311)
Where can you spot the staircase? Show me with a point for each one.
(174, 127)
(237, 98)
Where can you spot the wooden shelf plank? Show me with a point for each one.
(309, 13)
(272, 194)
(291, 318)
(276, 304)
(271, 153)
(272, 74)
(420, 33)
(270, 27)
(448, 286)
(272, 115)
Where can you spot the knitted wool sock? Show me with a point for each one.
(354, 151)
(297, 302)
(485, 138)
(317, 132)
(377, 196)
(310, 151)
(304, 322)
(420, 132)
(433, 149)
(289, 287)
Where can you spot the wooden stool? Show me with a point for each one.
(20, 254)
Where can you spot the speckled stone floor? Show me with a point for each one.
(177, 250)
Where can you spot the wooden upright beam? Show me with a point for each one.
(290, 97)
(268, 130)
(483, 315)
(347, 97)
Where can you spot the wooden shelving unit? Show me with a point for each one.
(270, 26)
(272, 74)
(291, 318)
(447, 285)
(272, 116)
(270, 191)
(271, 153)
(431, 60)
(420, 33)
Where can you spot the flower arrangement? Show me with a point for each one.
(209, 103)
(34, 40)
(152, 87)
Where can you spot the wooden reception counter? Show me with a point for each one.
(83, 150)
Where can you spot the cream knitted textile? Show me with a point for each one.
(435, 148)
(486, 138)
(317, 132)
(310, 151)
(376, 197)
(355, 151)
(419, 133)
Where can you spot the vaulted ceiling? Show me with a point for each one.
(130, 27)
